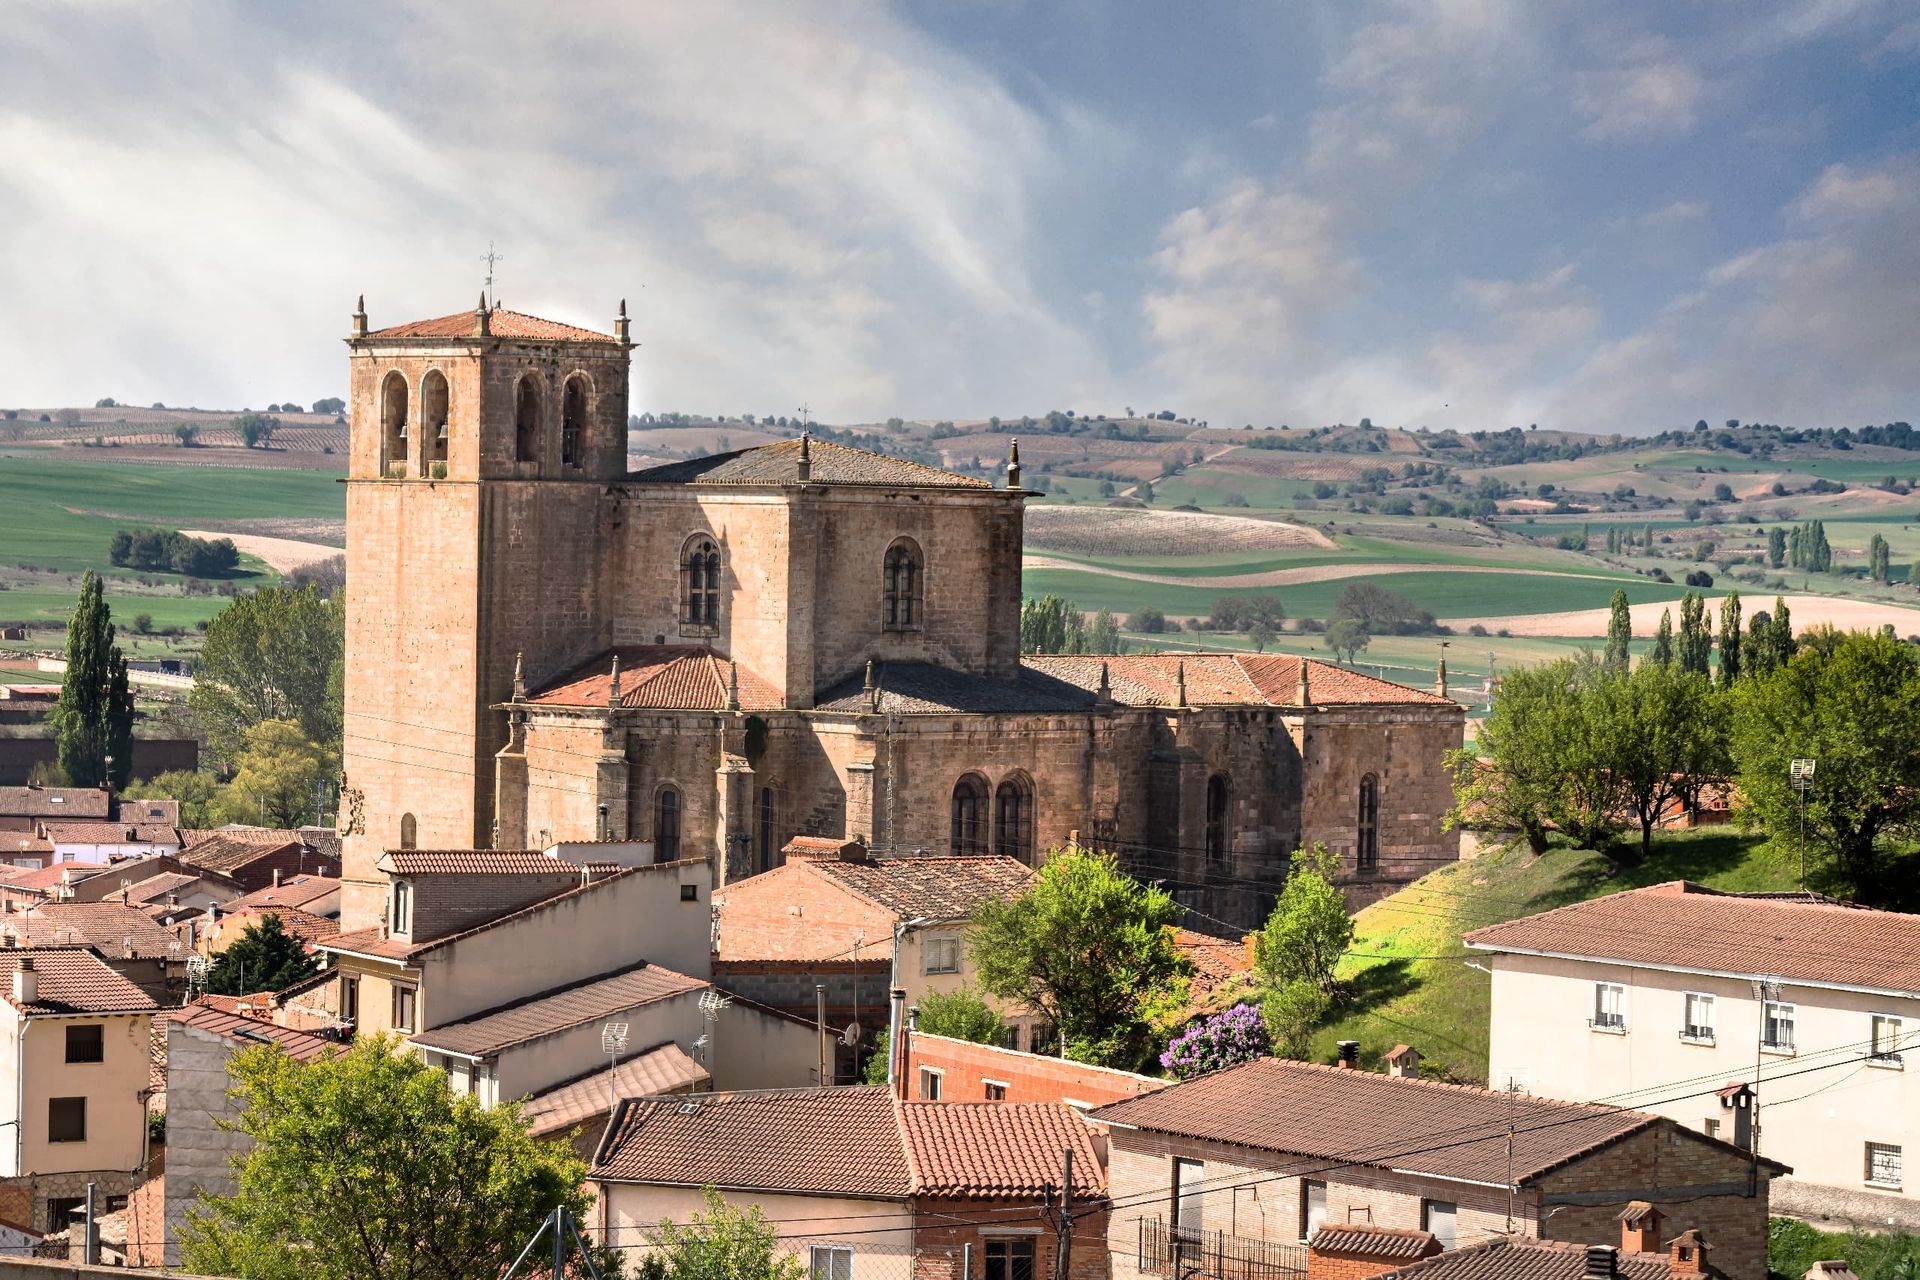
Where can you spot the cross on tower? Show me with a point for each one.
(491, 258)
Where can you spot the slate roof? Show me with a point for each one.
(921, 688)
(502, 323)
(665, 1068)
(938, 888)
(849, 1141)
(301, 1046)
(1358, 1117)
(1525, 1258)
(660, 677)
(779, 464)
(107, 926)
(1390, 1243)
(476, 862)
(1700, 930)
(54, 802)
(576, 1004)
(72, 980)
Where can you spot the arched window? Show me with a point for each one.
(393, 422)
(970, 815)
(1219, 828)
(1366, 847)
(526, 420)
(573, 422)
(409, 832)
(1013, 818)
(666, 826)
(433, 414)
(903, 574)
(765, 841)
(700, 583)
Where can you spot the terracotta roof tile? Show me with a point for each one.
(22, 844)
(1524, 1258)
(163, 812)
(1688, 926)
(45, 878)
(1302, 1108)
(373, 942)
(1227, 679)
(779, 464)
(156, 887)
(226, 853)
(301, 1046)
(109, 927)
(558, 1010)
(665, 1068)
(109, 833)
(274, 836)
(72, 980)
(53, 802)
(501, 323)
(997, 1148)
(295, 923)
(476, 862)
(294, 891)
(1367, 1240)
(938, 888)
(663, 678)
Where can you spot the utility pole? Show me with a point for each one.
(1063, 1249)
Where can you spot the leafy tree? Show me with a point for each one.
(1663, 638)
(1309, 928)
(720, 1242)
(270, 655)
(255, 428)
(94, 717)
(1852, 708)
(1730, 639)
(329, 404)
(1384, 613)
(1877, 556)
(1665, 737)
(1260, 635)
(1089, 947)
(366, 1166)
(1782, 630)
(1756, 651)
(1619, 632)
(198, 794)
(187, 434)
(1776, 547)
(1052, 625)
(959, 1014)
(1695, 648)
(1103, 635)
(1264, 610)
(1226, 1039)
(1292, 1013)
(1148, 621)
(280, 773)
(265, 957)
(1348, 637)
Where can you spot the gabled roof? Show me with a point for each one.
(54, 802)
(1228, 679)
(156, 886)
(1370, 1241)
(1360, 1118)
(23, 843)
(660, 677)
(294, 891)
(997, 1148)
(301, 1046)
(1691, 928)
(110, 927)
(72, 980)
(576, 1004)
(475, 862)
(937, 888)
(779, 464)
(922, 688)
(110, 833)
(1525, 1258)
(226, 853)
(665, 1068)
(295, 923)
(501, 323)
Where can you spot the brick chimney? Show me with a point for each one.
(1689, 1253)
(1349, 1054)
(1404, 1062)
(1351, 1250)
(1640, 1228)
(1603, 1262)
(26, 982)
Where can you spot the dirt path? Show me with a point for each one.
(1293, 577)
(283, 554)
(1847, 615)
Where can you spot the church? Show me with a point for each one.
(708, 658)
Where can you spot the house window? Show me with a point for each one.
(402, 906)
(1710, 1127)
(1366, 856)
(970, 815)
(902, 586)
(942, 955)
(349, 998)
(1776, 1030)
(1438, 1216)
(1699, 1018)
(930, 1084)
(573, 422)
(403, 1008)
(1010, 1038)
(1013, 818)
(1009, 1258)
(700, 578)
(86, 1043)
(1313, 1207)
(666, 826)
(526, 421)
(994, 1090)
(1886, 1041)
(830, 1262)
(1883, 1165)
(1189, 1178)
(1609, 1007)
(67, 1120)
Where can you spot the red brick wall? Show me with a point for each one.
(1029, 1077)
(943, 1227)
(1347, 1266)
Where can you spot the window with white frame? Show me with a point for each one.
(1886, 1040)
(1009, 1257)
(402, 907)
(994, 1090)
(942, 955)
(929, 1084)
(1609, 1006)
(403, 998)
(1188, 1179)
(830, 1262)
(1776, 1026)
(1699, 1017)
(1883, 1165)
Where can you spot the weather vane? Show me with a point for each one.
(491, 259)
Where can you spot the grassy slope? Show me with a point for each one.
(1439, 1005)
(1793, 1247)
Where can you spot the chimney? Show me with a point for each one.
(26, 982)
(1404, 1062)
(276, 877)
(1689, 1253)
(1738, 1098)
(1349, 1054)
(1602, 1262)
(1639, 1228)
(898, 1051)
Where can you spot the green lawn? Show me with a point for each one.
(1419, 990)
(1793, 1247)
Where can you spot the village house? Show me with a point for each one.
(1248, 1163)
(859, 1185)
(125, 938)
(75, 1050)
(24, 808)
(96, 843)
(930, 1068)
(257, 857)
(1617, 997)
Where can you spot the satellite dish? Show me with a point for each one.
(851, 1036)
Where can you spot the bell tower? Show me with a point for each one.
(482, 449)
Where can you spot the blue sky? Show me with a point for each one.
(1456, 213)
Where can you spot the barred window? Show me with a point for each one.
(903, 584)
(700, 583)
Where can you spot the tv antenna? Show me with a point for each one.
(491, 259)
(613, 1043)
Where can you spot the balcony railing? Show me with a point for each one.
(1182, 1255)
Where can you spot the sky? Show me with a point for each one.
(1449, 213)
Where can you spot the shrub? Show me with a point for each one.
(1213, 1044)
(1292, 1014)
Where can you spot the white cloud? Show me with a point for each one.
(1845, 192)
(1650, 90)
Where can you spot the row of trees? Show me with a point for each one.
(170, 551)
(1052, 625)
(1766, 642)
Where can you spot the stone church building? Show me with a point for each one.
(713, 656)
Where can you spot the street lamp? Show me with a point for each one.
(1800, 773)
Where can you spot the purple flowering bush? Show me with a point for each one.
(1223, 1040)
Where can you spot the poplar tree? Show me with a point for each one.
(1877, 567)
(1783, 641)
(1777, 547)
(94, 718)
(1663, 639)
(1696, 640)
(1730, 639)
(1619, 632)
